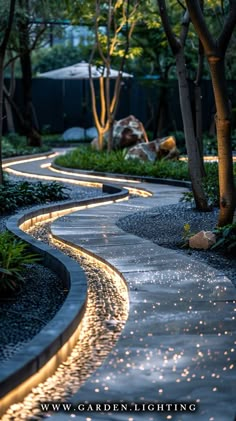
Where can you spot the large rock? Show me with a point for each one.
(164, 148)
(127, 132)
(143, 152)
(74, 133)
(91, 133)
(202, 240)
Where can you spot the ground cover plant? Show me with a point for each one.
(15, 145)
(88, 159)
(226, 238)
(14, 255)
(17, 194)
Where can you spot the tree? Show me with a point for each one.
(5, 30)
(195, 161)
(31, 25)
(215, 50)
(119, 21)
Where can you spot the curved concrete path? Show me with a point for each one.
(179, 342)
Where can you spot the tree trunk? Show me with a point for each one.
(162, 112)
(1, 113)
(195, 163)
(223, 127)
(32, 134)
(8, 108)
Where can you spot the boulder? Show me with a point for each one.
(164, 148)
(74, 133)
(143, 152)
(127, 132)
(202, 240)
(91, 133)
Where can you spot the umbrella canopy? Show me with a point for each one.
(80, 71)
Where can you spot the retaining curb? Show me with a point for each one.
(147, 179)
(50, 346)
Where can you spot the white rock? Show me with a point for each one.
(74, 133)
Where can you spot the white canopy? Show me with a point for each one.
(79, 71)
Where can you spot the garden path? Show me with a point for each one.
(179, 342)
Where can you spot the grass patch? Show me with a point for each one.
(85, 158)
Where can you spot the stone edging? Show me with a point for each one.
(50, 346)
(147, 179)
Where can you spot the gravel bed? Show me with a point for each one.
(164, 226)
(23, 317)
(103, 321)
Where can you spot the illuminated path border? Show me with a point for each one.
(42, 355)
(179, 342)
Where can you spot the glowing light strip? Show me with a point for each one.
(53, 178)
(18, 393)
(23, 161)
(132, 190)
(74, 174)
(206, 158)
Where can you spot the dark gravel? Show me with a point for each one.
(23, 317)
(30, 310)
(164, 226)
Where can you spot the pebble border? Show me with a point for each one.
(53, 338)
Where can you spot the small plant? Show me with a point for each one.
(13, 258)
(226, 238)
(14, 195)
(187, 233)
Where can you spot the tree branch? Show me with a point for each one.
(197, 18)
(228, 28)
(185, 27)
(4, 43)
(174, 42)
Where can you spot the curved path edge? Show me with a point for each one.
(140, 178)
(42, 355)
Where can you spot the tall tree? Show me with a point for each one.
(32, 23)
(118, 17)
(5, 30)
(195, 161)
(215, 50)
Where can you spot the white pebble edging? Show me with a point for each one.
(55, 341)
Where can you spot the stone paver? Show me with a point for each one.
(179, 343)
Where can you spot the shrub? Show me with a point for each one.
(13, 258)
(14, 195)
(226, 238)
(15, 145)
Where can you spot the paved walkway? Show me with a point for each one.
(179, 342)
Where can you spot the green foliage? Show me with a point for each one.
(15, 195)
(59, 56)
(115, 162)
(226, 238)
(210, 185)
(13, 258)
(15, 145)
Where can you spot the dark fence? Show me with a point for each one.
(60, 104)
